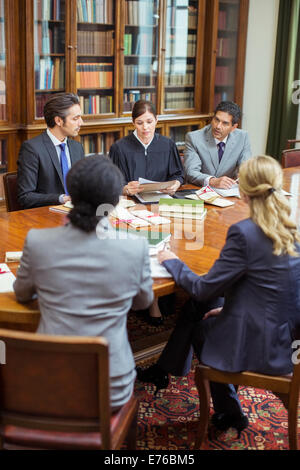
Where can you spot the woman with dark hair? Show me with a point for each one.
(85, 278)
(146, 154)
(244, 312)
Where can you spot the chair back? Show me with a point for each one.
(290, 157)
(10, 181)
(291, 142)
(53, 383)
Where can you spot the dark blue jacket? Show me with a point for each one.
(262, 303)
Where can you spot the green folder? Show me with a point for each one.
(155, 239)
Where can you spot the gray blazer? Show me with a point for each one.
(201, 155)
(85, 285)
(40, 180)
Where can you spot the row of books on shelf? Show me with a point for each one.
(49, 9)
(180, 15)
(89, 144)
(224, 75)
(98, 143)
(139, 75)
(228, 19)
(140, 43)
(223, 96)
(131, 96)
(181, 45)
(95, 43)
(48, 40)
(40, 101)
(179, 99)
(140, 12)
(95, 11)
(180, 74)
(94, 75)
(96, 104)
(49, 73)
(226, 47)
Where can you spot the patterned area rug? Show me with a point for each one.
(169, 420)
(142, 335)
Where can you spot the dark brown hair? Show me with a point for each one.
(142, 106)
(92, 181)
(58, 105)
(231, 108)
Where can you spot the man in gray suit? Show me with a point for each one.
(213, 154)
(45, 160)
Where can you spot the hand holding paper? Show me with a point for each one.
(165, 255)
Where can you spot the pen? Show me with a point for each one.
(166, 246)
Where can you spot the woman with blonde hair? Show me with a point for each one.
(243, 313)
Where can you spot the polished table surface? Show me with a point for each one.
(197, 243)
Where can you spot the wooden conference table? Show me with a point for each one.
(197, 243)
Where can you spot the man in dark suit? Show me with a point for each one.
(45, 160)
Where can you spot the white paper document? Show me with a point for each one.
(158, 270)
(232, 192)
(123, 215)
(150, 186)
(6, 278)
(154, 219)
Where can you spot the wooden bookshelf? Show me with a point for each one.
(174, 53)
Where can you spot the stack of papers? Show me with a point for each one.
(6, 278)
(151, 217)
(123, 215)
(208, 195)
(182, 208)
(152, 190)
(149, 186)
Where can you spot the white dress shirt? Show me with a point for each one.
(56, 142)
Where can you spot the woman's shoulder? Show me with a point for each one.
(162, 140)
(247, 228)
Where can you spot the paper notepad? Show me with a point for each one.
(158, 270)
(6, 278)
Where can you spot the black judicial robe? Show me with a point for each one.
(160, 162)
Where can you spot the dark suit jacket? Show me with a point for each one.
(40, 180)
(262, 303)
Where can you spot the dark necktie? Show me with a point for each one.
(64, 165)
(221, 148)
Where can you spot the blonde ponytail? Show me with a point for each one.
(260, 178)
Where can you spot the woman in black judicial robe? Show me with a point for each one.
(152, 156)
(146, 154)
